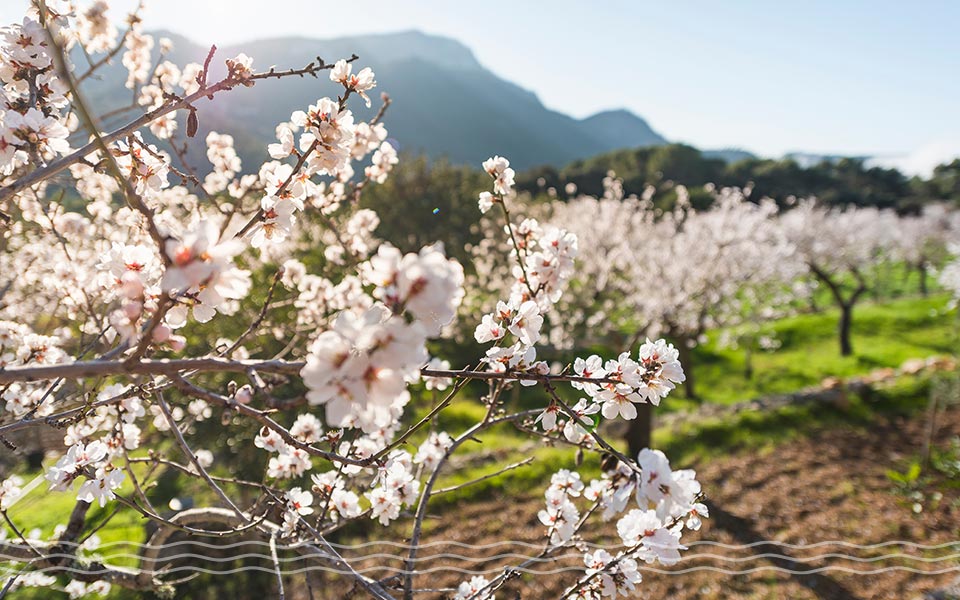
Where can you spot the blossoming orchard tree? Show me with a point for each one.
(708, 269)
(843, 249)
(949, 276)
(165, 296)
(922, 240)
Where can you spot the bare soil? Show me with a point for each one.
(827, 494)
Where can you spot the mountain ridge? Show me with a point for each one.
(445, 103)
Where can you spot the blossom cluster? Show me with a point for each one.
(667, 502)
(544, 260)
(19, 345)
(360, 367)
(650, 378)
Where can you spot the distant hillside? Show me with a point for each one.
(445, 103)
(623, 129)
(730, 155)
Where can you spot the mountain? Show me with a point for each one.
(445, 103)
(729, 155)
(622, 129)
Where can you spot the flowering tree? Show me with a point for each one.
(842, 249)
(713, 268)
(113, 317)
(922, 240)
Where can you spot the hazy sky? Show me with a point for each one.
(829, 76)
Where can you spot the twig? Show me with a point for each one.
(64, 163)
(160, 366)
(426, 419)
(276, 565)
(260, 317)
(510, 467)
(193, 458)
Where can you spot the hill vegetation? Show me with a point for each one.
(838, 182)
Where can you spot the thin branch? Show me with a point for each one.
(426, 419)
(260, 317)
(163, 366)
(194, 461)
(95, 368)
(276, 565)
(497, 473)
(225, 84)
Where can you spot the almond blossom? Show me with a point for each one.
(101, 487)
(10, 491)
(361, 82)
(202, 273)
(470, 590)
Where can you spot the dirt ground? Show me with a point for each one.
(826, 495)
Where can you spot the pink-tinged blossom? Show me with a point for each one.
(269, 440)
(202, 274)
(101, 488)
(73, 463)
(548, 418)
(645, 529)
(332, 130)
(499, 168)
(143, 165)
(432, 451)
(427, 284)
(672, 493)
(275, 224)
(34, 130)
(383, 161)
(526, 323)
(488, 330)
(486, 201)
(289, 462)
(576, 429)
(10, 491)
(345, 504)
(470, 589)
(359, 368)
(240, 67)
(613, 577)
(299, 501)
(695, 516)
(361, 82)
(284, 146)
(307, 428)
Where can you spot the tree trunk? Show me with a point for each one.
(640, 430)
(686, 361)
(846, 319)
(748, 362)
(923, 279)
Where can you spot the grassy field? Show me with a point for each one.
(884, 335)
(44, 510)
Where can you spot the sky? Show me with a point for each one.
(850, 77)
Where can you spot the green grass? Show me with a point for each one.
(44, 510)
(698, 442)
(884, 335)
